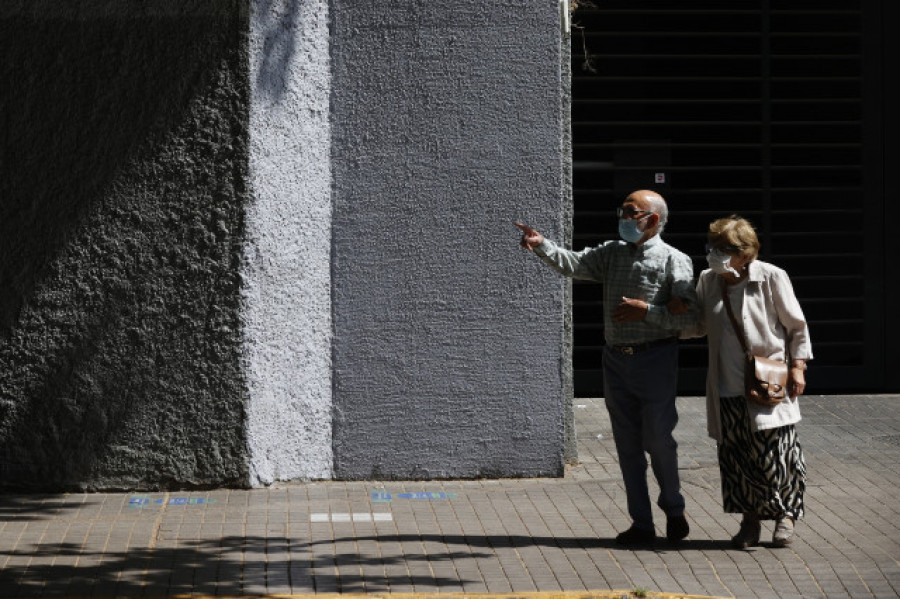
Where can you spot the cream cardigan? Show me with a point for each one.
(775, 326)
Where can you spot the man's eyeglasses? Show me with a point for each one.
(631, 213)
(728, 249)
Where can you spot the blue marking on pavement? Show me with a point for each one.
(385, 497)
(140, 501)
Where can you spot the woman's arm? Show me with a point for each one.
(697, 328)
(791, 317)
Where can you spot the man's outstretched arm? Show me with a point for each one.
(586, 264)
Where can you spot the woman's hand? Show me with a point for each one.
(796, 382)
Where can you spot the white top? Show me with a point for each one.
(731, 355)
(775, 328)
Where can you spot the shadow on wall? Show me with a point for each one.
(278, 19)
(123, 157)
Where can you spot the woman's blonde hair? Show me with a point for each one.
(737, 232)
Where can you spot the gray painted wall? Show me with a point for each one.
(122, 199)
(449, 341)
(287, 268)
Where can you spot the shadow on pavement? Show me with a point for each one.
(501, 542)
(230, 565)
(36, 507)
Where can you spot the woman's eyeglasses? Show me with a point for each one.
(728, 249)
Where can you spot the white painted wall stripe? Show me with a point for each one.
(287, 256)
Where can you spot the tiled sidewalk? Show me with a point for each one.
(487, 536)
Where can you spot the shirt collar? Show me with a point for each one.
(650, 243)
(754, 271)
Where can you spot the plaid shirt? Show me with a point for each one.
(653, 271)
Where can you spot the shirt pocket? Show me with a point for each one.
(653, 286)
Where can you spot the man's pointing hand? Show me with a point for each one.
(530, 237)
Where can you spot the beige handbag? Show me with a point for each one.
(765, 380)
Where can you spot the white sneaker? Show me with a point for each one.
(784, 532)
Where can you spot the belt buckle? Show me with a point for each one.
(628, 350)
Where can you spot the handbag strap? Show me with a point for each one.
(737, 328)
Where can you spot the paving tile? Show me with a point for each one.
(504, 536)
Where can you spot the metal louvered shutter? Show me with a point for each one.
(733, 106)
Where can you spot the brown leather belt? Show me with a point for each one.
(630, 350)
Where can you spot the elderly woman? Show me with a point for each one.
(760, 459)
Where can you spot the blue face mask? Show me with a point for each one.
(628, 230)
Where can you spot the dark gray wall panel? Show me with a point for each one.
(449, 339)
(123, 164)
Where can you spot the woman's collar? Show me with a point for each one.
(754, 271)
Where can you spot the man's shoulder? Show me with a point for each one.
(672, 251)
(611, 245)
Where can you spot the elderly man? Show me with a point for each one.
(640, 274)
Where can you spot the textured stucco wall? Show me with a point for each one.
(565, 111)
(123, 157)
(287, 272)
(244, 241)
(449, 342)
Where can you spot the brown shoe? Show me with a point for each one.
(784, 532)
(748, 535)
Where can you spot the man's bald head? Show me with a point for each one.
(644, 199)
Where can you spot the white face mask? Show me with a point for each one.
(720, 262)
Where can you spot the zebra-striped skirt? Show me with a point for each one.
(762, 472)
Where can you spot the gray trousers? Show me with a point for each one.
(640, 396)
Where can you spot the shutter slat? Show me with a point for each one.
(745, 108)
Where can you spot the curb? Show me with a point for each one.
(612, 594)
